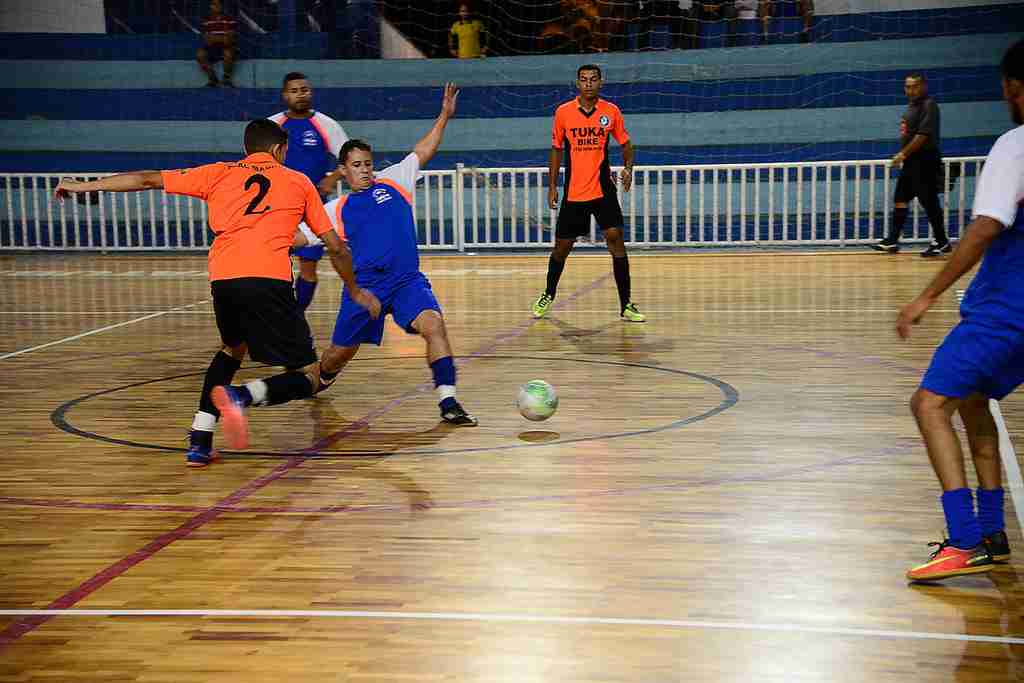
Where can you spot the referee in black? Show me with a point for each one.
(921, 160)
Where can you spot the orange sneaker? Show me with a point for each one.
(949, 561)
(232, 415)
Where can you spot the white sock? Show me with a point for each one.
(204, 422)
(258, 389)
(445, 391)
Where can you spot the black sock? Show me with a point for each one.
(221, 371)
(620, 266)
(899, 217)
(555, 268)
(934, 211)
(288, 386)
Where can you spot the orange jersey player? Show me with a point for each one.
(582, 132)
(255, 208)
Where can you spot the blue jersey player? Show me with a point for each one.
(376, 220)
(314, 140)
(982, 358)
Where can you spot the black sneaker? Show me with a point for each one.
(998, 546)
(886, 246)
(457, 415)
(936, 249)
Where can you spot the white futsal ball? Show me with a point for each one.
(537, 400)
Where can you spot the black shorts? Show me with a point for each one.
(262, 313)
(574, 217)
(919, 178)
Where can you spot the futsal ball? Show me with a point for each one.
(537, 400)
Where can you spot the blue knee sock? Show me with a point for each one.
(304, 290)
(443, 370)
(961, 522)
(990, 510)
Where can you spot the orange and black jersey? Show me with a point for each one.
(584, 136)
(256, 205)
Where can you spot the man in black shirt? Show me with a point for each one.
(922, 168)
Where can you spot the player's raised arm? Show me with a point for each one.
(122, 182)
(428, 145)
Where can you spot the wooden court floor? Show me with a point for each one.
(729, 492)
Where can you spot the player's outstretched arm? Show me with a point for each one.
(427, 147)
(975, 241)
(122, 182)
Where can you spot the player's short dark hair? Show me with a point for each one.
(1012, 65)
(292, 76)
(917, 76)
(588, 67)
(262, 134)
(350, 145)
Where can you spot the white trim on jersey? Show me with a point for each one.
(405, 173)
(1001, 185)
(332, 132)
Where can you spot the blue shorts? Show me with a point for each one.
(310, 253)
(976, 357)
(404, 299)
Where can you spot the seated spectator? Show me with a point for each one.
(468, 36)
(219, 43)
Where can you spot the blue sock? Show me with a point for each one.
(444, 381)
(961, 522)
(990, 510)
(444, 371)
(304, 290)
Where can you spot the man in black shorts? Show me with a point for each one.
(582, 126)
(922, 169)
(255, 207)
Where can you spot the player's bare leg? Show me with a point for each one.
(963, 552)
(333, 361)
(983, 438)
(556, 264)
(430, 325)
(620, 267)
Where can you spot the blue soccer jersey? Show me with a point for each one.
(311, 143)
(985, 351)
(997, 292)
(378, 224)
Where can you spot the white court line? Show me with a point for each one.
(1009, 458)
(521, 618)
(12, 354)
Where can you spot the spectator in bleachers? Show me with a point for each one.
(219, 42)
(468, 36)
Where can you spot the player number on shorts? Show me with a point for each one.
(264, 184)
